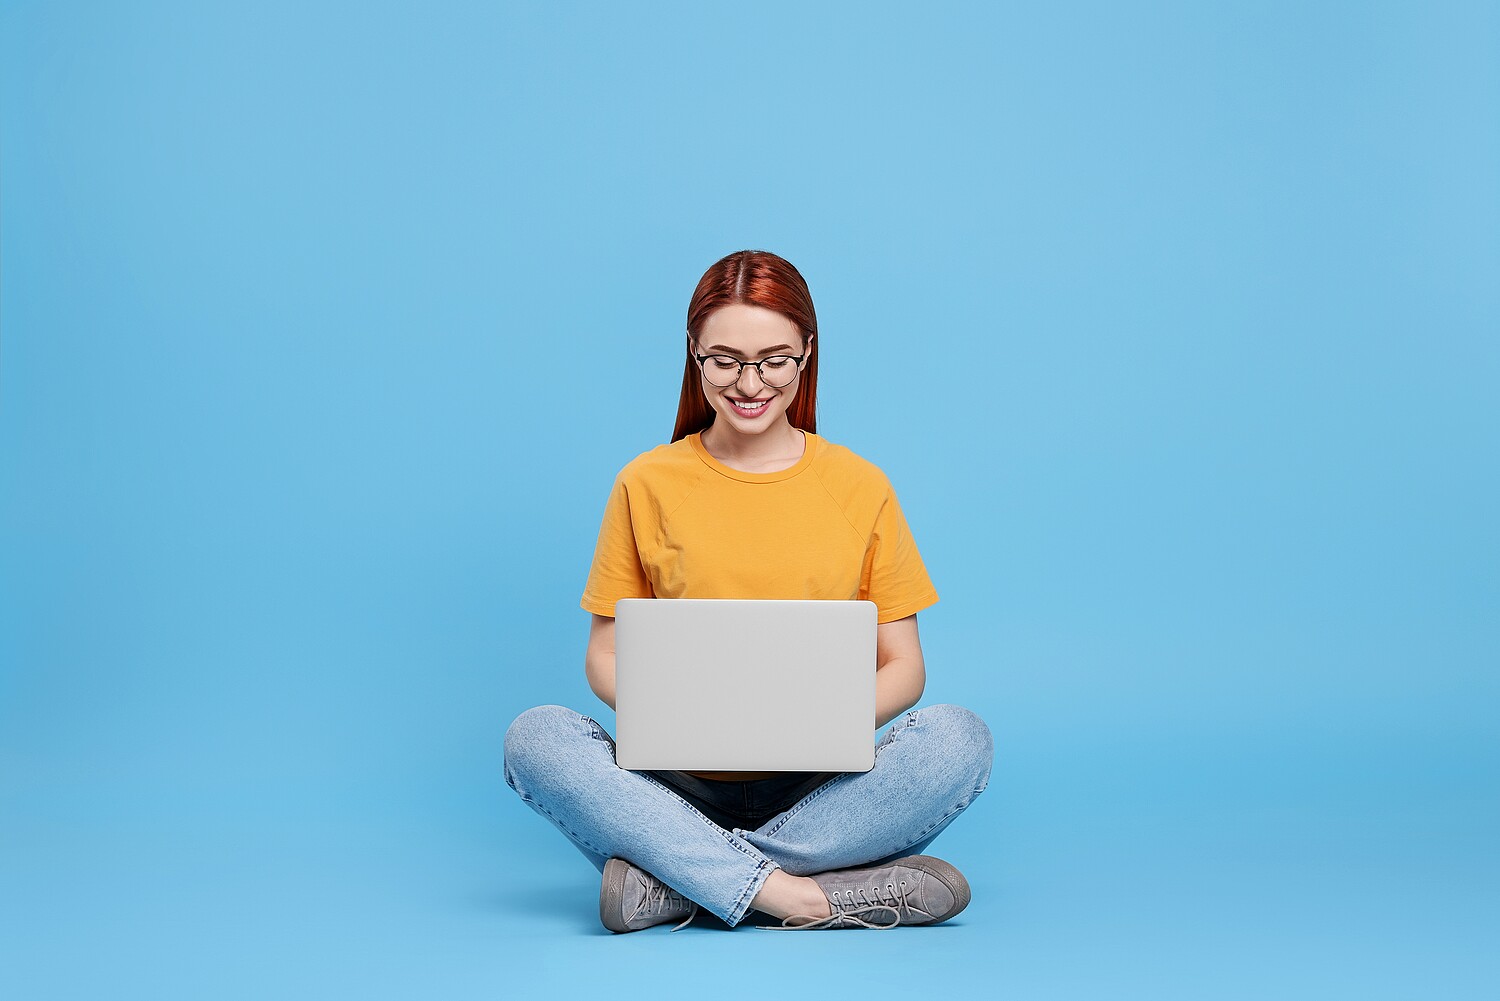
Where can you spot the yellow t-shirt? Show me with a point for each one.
(681, 524)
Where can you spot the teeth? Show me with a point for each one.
(751, 406)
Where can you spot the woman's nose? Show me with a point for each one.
(747, 370)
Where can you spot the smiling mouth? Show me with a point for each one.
(749, 406)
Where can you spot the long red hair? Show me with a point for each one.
(760, 278)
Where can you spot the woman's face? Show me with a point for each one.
(749, 333)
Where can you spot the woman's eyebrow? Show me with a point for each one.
(733, 351)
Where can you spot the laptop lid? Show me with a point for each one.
(715, 684)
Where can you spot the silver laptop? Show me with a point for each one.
(711, 684)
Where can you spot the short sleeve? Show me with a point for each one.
(894, 576)
(616, 571)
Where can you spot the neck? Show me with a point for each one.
(723, 441)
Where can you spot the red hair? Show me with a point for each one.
(759, 278)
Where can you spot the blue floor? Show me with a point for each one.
(1098, 871)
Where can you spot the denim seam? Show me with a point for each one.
(752, 886)
(911, 720)
(729, 839)
(799, 807)
(561, 826)
(963, 805)
(955, 811)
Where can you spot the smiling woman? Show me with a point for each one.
(747, 305)
(818, 850)
(752, 396)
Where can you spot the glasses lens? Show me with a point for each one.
(778, 372)
(721, 370)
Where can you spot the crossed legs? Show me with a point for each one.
(929, 766)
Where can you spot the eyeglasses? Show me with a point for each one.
(776, 371)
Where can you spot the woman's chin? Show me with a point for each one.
(748, 425)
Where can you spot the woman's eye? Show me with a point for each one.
(777, 362)
(725, 363)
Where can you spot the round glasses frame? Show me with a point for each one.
(703, 360)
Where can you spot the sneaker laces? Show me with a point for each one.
(661, 897)
(852, 907)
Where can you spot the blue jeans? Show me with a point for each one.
(715, 842)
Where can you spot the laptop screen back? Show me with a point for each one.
(708, 684)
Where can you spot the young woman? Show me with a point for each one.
(747, 501)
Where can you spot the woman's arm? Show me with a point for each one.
(599, 660)
(900, 674)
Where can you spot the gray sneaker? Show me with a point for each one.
(630, 898)
(915, 890)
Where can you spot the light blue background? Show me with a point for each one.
(324, 328)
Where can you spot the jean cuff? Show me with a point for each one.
(752, 887)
